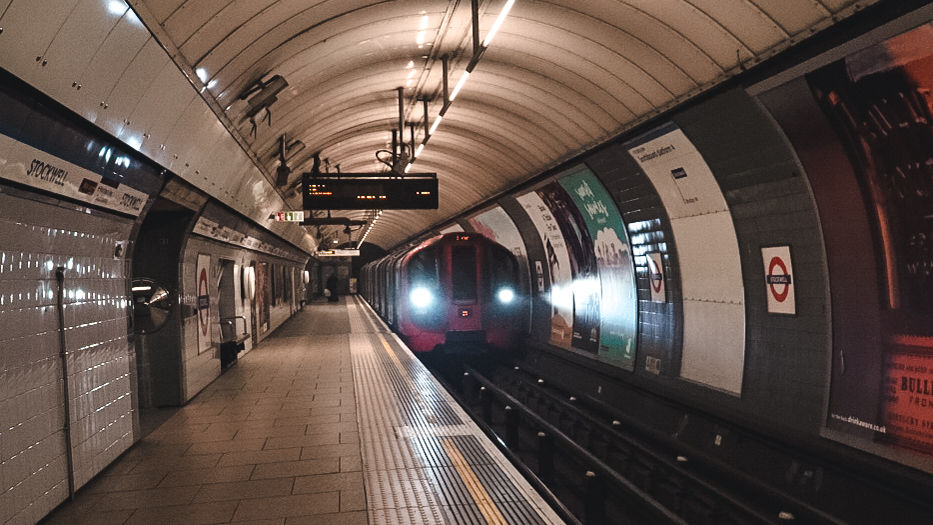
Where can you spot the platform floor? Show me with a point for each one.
(328, 421)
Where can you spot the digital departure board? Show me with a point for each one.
(363, 191)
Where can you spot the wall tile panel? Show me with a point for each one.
(38, 237)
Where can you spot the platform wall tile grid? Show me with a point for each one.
(38, 238)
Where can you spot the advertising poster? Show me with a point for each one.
(618, 303)
(496, 224)
(585, 286)
(203, 287)
(908, 405)
(263, 296)
(558, 263)
(453, 228)
(877, 101)
(709, 262)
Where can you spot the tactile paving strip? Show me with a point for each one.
(423, 460)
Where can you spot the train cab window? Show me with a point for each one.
(463, 274)
(422, 268)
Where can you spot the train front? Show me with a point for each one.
(461, 291)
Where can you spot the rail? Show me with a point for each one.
(595, 478)
(231, 321)
(789, 505)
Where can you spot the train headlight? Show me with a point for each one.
(505, 295)
(421, 297)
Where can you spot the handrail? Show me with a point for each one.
(234, 318)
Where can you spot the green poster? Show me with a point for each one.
(618, 323)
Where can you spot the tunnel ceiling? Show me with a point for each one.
(558, 78)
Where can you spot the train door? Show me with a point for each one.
(390, 290)
(381, 287)
(465, 307)
(397, 285)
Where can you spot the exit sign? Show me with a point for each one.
(289, 216)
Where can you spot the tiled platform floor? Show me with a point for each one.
(281, 438)
(275, 438)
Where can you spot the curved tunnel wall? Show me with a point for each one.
(824, 172)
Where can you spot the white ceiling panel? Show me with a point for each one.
(560, 77)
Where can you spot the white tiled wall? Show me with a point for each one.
(200, 369)
(132, 90)
(35, 238)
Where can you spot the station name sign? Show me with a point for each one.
(32, 167)
(366, 191)
(342, 252)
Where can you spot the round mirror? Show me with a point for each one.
(152, 304)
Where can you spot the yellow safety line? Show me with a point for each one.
(430, 418)
(391, 353)
(480, 496)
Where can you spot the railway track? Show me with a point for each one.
(604, 469)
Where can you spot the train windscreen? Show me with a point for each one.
(463, 262)
(422, 268)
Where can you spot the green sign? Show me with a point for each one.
(619, 296)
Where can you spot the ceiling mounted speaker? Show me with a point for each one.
(281, 175)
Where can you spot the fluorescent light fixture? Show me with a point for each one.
(141, 288)
(408, 168)
(498, 22)
(202, 74)
(437, 122)
(117, 7)
(460, 83)
(419, 149)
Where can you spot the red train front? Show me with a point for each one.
(457, 288)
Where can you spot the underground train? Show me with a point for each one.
(455, 288)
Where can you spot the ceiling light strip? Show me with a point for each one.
(478, 53)
(459, 86)
(498, 23)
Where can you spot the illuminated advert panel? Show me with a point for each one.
(355, 191)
